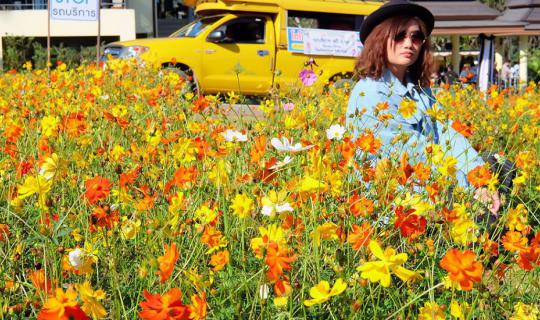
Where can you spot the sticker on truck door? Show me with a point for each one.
(324, 42)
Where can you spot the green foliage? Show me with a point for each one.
(534, 64)
(18, 50)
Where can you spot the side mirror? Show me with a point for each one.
(216, 36)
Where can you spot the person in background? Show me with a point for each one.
(395, 67)
(505, 74)
(450, 75)
(514, 74)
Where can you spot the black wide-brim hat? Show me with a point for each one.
(396, 8)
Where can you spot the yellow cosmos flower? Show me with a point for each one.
(273, 233)
(185, 150)
(242, 205)
(90, 298)
(322, 292)
(309, 184)
(517, 218)
(129, 228)
(33, 185)
(205, 215)
(49, 125)
(153, 137)
(53, 167)
(459, 311)
(524, 311)
(431, 311)
(326, 231)
(379, 271)
(448, 168)
(407, 108)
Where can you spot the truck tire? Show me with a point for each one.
(191, 83)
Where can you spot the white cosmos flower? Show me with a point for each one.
(282, 163)
(76, 258)
(268, 210)
(232, 136)
(335, 132)
(264, 290)
(286, 145)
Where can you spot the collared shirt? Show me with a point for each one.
(419, 127)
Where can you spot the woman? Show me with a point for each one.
(394, 69)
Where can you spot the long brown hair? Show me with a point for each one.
(374, 57)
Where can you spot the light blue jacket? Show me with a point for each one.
(420, 128)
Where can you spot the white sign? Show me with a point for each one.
(332, 42)
(78, 10)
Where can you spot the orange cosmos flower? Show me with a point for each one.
(97, 188)
(528, 257)
(422, 172)
(367, 142)
(277, 260)
(463, 128)
(360, 206)
(166, 307)
(167, 261)
(258, 149)
(128, 178)
(200, 104)
(212, 237)
(62, 306)
(4, 231)
(39, 281)
(406, 170)
(514, 241)
(219, 260)
(360, 235)
(103, 217)
(181, 176)
(13, 133)
(479, 176)
(347, 149)
(462, 267)
(75, 124)
(198, 310)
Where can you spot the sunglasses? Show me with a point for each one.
(417, 37)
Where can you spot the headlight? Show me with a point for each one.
(132, 52)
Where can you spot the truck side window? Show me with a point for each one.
(316, 20)
(244, 30)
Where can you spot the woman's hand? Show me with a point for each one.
(489, 198)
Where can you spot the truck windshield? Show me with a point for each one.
(196, 27)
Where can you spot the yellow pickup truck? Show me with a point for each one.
(248, 46)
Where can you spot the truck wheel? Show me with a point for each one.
(342, 82)
(191, 83)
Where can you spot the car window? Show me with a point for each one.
(196, 27)
(320, 20)
(244, 30)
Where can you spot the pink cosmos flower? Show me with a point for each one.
(288, 106)
(308, 77)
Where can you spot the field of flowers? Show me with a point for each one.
(123, 196)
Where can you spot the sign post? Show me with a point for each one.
(74, 10)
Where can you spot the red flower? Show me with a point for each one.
(103, 217)
(97, 188)
(410, 225)
(166, 307)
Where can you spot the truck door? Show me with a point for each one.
(242, 60)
